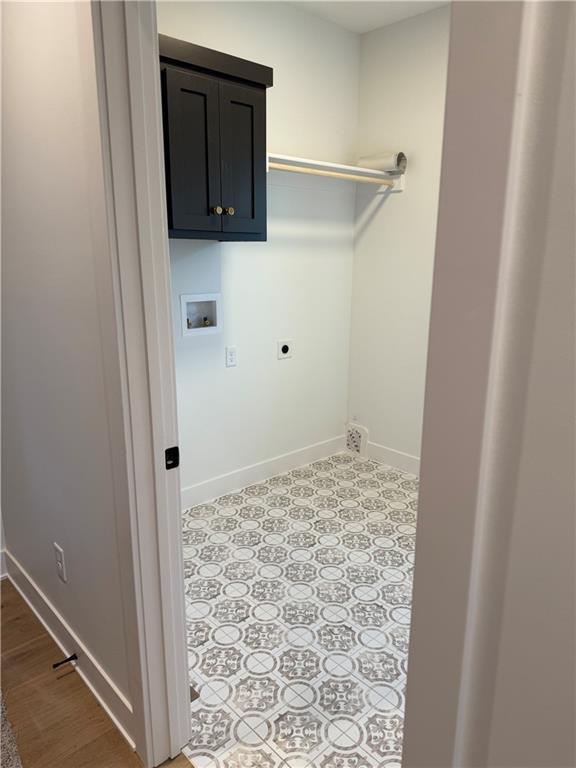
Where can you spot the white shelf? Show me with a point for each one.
(334, 170)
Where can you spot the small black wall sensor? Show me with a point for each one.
(172, 457)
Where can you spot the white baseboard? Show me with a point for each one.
(404, 461)
(256, 473)
(3, 572)
(113, 701)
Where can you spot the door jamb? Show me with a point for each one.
(126, 49)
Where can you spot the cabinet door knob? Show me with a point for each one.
(229, 211)
(217, 209)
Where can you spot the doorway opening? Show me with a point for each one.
(300, 366)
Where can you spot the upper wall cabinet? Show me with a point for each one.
(214, 112)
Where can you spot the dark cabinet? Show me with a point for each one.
(192, 150)
(243, 158)
(214, 116)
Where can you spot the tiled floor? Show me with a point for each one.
(298, 604)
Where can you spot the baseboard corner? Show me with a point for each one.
(394, 458)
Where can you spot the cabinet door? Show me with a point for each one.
(192, 137)
(243, 158)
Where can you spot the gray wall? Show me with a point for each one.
(491, 677)
(533, 720)
(60, 384)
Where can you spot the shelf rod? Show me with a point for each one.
(331, 174)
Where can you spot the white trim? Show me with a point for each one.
(112, 699)
(111, 330)
(394, 458)
(129, 89)
(130, 104)
(256, 473)
(150, 187)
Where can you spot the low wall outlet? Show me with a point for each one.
(60, 562)
(231, 357)
(285, 348)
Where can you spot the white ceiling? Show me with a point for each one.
(364, 16)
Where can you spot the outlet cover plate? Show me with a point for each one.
(285, 348)
(60, 562)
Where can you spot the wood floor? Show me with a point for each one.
(57, 721)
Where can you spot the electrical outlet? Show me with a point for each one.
(231, 357)
(285, 348)
(60, 562)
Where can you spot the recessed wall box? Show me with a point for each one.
(200, 313)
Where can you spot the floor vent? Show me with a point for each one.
(357, 439)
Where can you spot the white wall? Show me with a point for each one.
(298, 284)
(60, 375)
(402, 92)
(336, 95)
(312, 108)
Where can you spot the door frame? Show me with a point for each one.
(127, 56)
(437, 732)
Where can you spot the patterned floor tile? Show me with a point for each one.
(298, 732)
(298, 594)
(341, 696)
